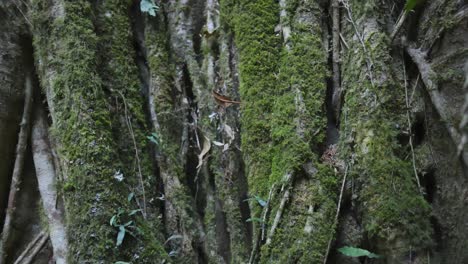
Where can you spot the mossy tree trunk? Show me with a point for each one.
(236, 131)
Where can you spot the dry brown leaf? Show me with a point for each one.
(223, 101)
(206, 148)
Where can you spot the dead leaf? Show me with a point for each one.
(229, 131)
(217, 143)
(223, 101)
(206, 148)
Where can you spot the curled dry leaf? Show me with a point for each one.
(223, 101)
(206, 148)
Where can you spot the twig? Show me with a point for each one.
(261, 235)
(369, 62)
(437, 100)
(267, 210)
(22, 13)
(36, 249)
(18, 168)
(409, 128)
(344, 41)
(343, 184)
(398, 24)
(279, 213)
(29, 247)
(140, 175)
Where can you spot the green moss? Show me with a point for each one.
(68, 47)
(254, 24)
(373, 116)
(313, 204)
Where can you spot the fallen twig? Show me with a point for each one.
(18, 169)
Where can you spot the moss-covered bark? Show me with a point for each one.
(394, 213)
(67, 47)
(256, 177)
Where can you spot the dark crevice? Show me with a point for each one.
(332, 134)
(241, 182)
(437, 236)
(198, 18)
(138, 30)
(428, 180)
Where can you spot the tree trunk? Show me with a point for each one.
(235, 131)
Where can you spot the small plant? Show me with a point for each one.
(148, 6)
(124, 228)
(154, 138)
(254, 219)
(357, 252)
(259, 200)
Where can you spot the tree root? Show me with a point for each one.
(31, 244)
(437, 100)
(336, 97)
(37, 247)
(46, 178)
(5, 242)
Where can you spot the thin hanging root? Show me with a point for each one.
(18, 169)
(399, 24)
(409, 127)
(437, 100)
(343, 184)
(261, 235)
(140, 174)
(369, 62)
(31, 244)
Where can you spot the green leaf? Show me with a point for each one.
(113, 220)
(121, 235)
(130, 196)
(411, 4)
(134, 212)
(148, 6)
(260, 201)
(128, 223)
(122, 262)
(254, 219)
(357, 252)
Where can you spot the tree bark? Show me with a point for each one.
(236, 131)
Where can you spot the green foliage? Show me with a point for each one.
(148, 6)
(154, 138)
(411, 4)
(254, 219)
(116, 221)
(259, 200)
(357, 252)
